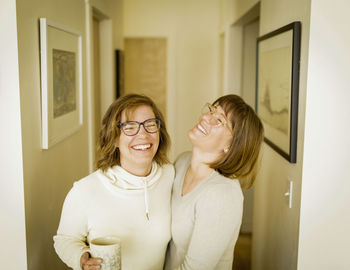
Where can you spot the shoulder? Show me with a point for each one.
(183, 159)
(82, 190)
(168, 173)
(88, 183)
(224, 191)
(168, 169)
(221, 199)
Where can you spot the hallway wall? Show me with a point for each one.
(191, 28)
(275, 226)
(314, 233)
(48, 174)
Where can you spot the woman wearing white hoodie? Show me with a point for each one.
(128, 196)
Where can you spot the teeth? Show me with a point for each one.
(202, 129)
(141, 146)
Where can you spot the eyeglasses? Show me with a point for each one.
(131, 128)
(217, 119)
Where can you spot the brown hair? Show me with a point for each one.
(242, 159)
(107, 148)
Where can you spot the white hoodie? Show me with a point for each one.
(135, 209)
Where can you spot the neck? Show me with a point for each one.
(199, 164)
(139, 170)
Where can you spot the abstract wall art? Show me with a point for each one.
(61, 82)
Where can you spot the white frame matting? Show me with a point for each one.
(58, 39)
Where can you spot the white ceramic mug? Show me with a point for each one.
(109, 249)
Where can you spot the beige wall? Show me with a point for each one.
(275, 226)
(320, 239)
(232, 10)
(109, 15)
(325, 201)
(49, 174)
(12, 224)
(193, 48)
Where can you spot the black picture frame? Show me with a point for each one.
(119, 73)
(277, 88)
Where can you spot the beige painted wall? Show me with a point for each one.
(191, 28)
(12, 224)
(275, 226)
(325, 201)
(109, 14)
(145, 69)
(49, 174)
(250, 33)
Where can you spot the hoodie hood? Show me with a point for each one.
(116, 179)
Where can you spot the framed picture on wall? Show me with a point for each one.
(61, 82)
(277, 87)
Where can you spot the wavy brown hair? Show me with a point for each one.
(242, 159)
(107, 149)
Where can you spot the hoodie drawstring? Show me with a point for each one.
(146, 199)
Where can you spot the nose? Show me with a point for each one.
(142, 131)
(205, 117)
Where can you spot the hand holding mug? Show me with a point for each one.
(88, 263)
(107, 248)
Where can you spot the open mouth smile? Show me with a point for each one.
(202, 129)
(142, 147)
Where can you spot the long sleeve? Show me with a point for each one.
(113, 204)
(217, 220)
(70, 241)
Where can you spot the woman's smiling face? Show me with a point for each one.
(209, 137)
(140, 149)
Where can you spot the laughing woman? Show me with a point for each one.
(207, 201)
(128, 196)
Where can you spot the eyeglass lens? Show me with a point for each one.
(133, 127)
(215, 119)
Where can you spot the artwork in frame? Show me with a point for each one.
(277, 87)
(61, 82)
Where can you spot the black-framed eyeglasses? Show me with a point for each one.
(131, 128)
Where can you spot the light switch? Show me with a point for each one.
(289, 193)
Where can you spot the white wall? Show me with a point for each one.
(325, 201)
(12, 225)
(193, 48)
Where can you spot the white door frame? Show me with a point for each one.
(107, 68)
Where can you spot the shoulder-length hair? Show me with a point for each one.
(107, 148)
(242, 158)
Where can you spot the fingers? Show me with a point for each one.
(90, 263)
